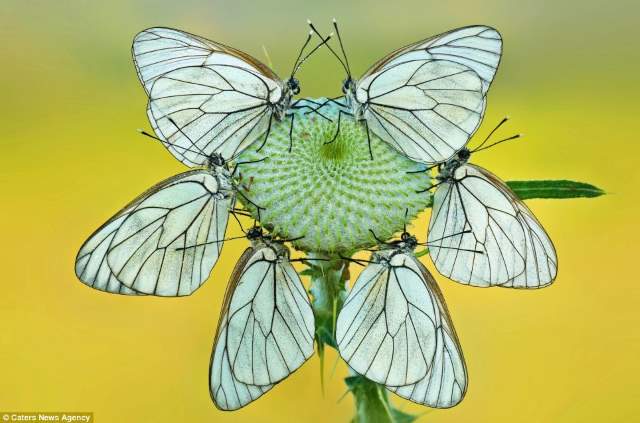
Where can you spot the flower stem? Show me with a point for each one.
(329, 278)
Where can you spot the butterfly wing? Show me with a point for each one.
(476, 47)
(204, 97)
(475, 234)
(386, 329)
(446, 381)
(427, 99)
(266, 330)
(394, 329)
(165, 242)
(541, 261)
(91, 263)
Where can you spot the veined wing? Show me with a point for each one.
(204, 97)
(475, 234)
(163, 243)
(387, 327)
(476, 47)
(446, 381)
(226, 391)
(266, 330)
(157, 51)
(541, 261)
(91, 263)
(199, 111)
(427, 109)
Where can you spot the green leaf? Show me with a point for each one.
(561, 188)
(372, 403)
(526, 190)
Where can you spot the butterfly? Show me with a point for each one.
(426, 99)
(394, 329)
(266, 330)
(167, 240)
(482, 234)
(207, 98)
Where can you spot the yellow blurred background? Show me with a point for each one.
(71, 157)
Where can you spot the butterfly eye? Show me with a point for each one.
(464, 154)
(346, 85)
(294, 86)
(217, 160)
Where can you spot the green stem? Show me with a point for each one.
(329, 290)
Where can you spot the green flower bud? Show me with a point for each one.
(326, 192)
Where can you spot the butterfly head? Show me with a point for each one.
(216, 160)
(348, 86)
(254, 233)
(293, 86)
(463, 155)
(448, 169)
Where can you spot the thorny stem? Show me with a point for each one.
(329, 289)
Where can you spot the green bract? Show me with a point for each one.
(329, 194)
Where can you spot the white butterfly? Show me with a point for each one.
(266, 329)
(428, 98)
(206, 98)
(394, 329)
(146, 247)
(482, 234)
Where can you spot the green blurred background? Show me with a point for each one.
(71, 157)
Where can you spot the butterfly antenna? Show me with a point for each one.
(173, 122)
(513, 137)
(210, 242)
(322, 43)
(504, 119)
(313, 28)
(376, 238)
(296, 64)
(146, 134)
(238, 220)
(344, 53)
(427, 244)
(404, 226)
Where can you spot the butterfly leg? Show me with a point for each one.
(335, 136)
(267, 133)
(366, 125)
(233, 173)
(312, 110)
(293, 117)
(330, 101)
(249, 201)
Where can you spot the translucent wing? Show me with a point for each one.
(395, 330)
(386, 329)
(428, 98)
(91, 263)
(541, 261)
(475, 234)
(426, 109)
(165, 242)
(476, 47)
(266, 330)
(204, 97)
(446, 381)
(157, 51)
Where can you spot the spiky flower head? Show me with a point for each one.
(329, 190)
